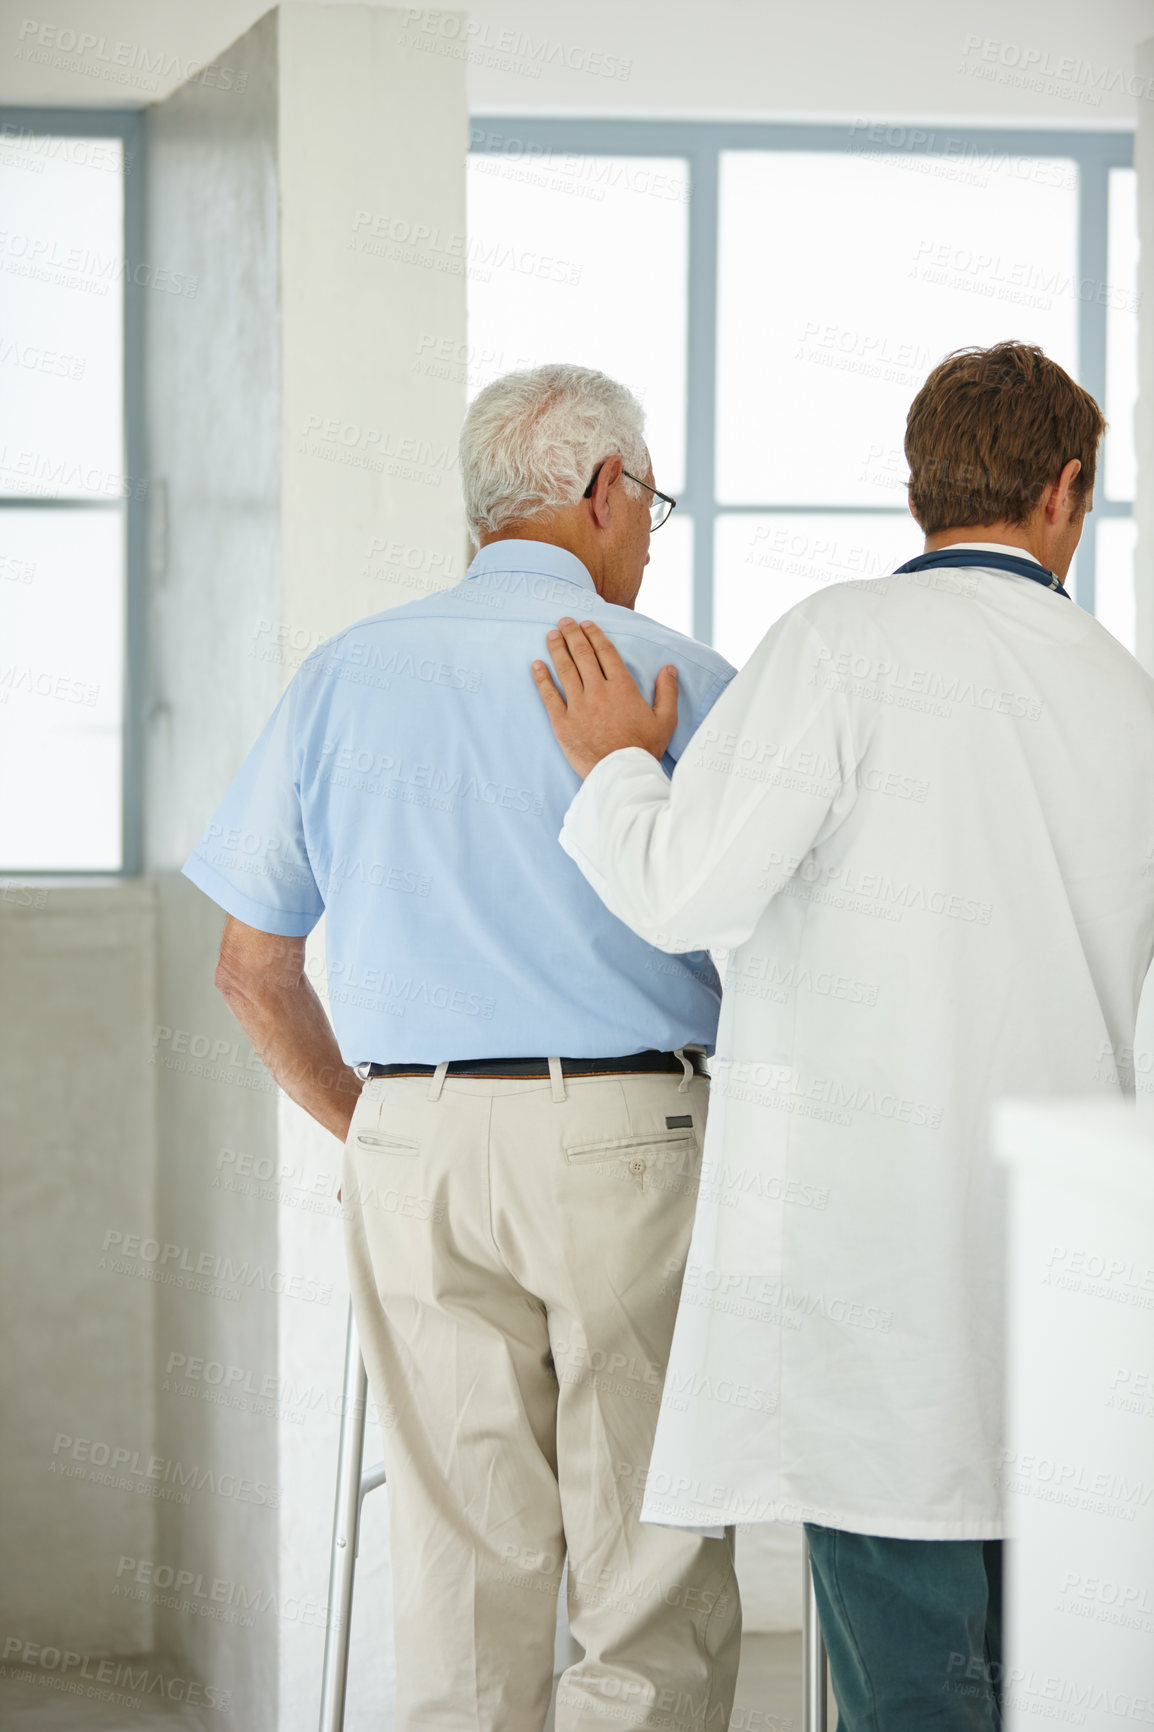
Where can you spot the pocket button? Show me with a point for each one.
(637, 1166)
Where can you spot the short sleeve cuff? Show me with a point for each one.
(283, 922)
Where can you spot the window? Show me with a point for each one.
(69, 492)
(777, 294)
(585, 259)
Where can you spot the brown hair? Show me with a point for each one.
(989, 430)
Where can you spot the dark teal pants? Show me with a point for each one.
(913, 1629)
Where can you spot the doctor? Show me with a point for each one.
(919, 824)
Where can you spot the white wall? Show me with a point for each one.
(1038, 62)
(76, 1169)
(1144, 412)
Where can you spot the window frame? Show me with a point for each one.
(128, 126)
(700, 144)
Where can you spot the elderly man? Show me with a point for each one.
(521, 1161)
(919, 822)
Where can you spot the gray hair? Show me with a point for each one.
(531, 442)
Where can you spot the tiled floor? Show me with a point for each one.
(768, 1700)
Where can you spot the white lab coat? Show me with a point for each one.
(921, 824)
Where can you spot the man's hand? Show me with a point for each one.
(603, 709)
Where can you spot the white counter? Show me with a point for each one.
(1079, 1468)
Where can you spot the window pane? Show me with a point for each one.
(844, 279)
(766, 562)
(61, 673)
(667, 587)
(1114, 577)
(1121, 334)
(62, 316)
(581, 258)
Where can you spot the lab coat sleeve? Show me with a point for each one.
(690, 862)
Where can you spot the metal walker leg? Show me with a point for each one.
(814, 1692)
(352, 1486)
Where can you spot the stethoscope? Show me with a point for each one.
(998, 561)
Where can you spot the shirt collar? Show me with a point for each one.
(540, 558)
(990, 547)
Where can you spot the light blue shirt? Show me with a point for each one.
(408, 786)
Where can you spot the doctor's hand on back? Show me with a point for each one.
(603, 709)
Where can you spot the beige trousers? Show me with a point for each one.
(515, 1255)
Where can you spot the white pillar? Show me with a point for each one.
(312, 183)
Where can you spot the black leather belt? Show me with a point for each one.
(539, 1067)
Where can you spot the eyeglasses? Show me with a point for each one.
(660, 505)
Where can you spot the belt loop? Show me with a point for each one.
(687, 1068)
(557, 1078)
(437, 1080)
